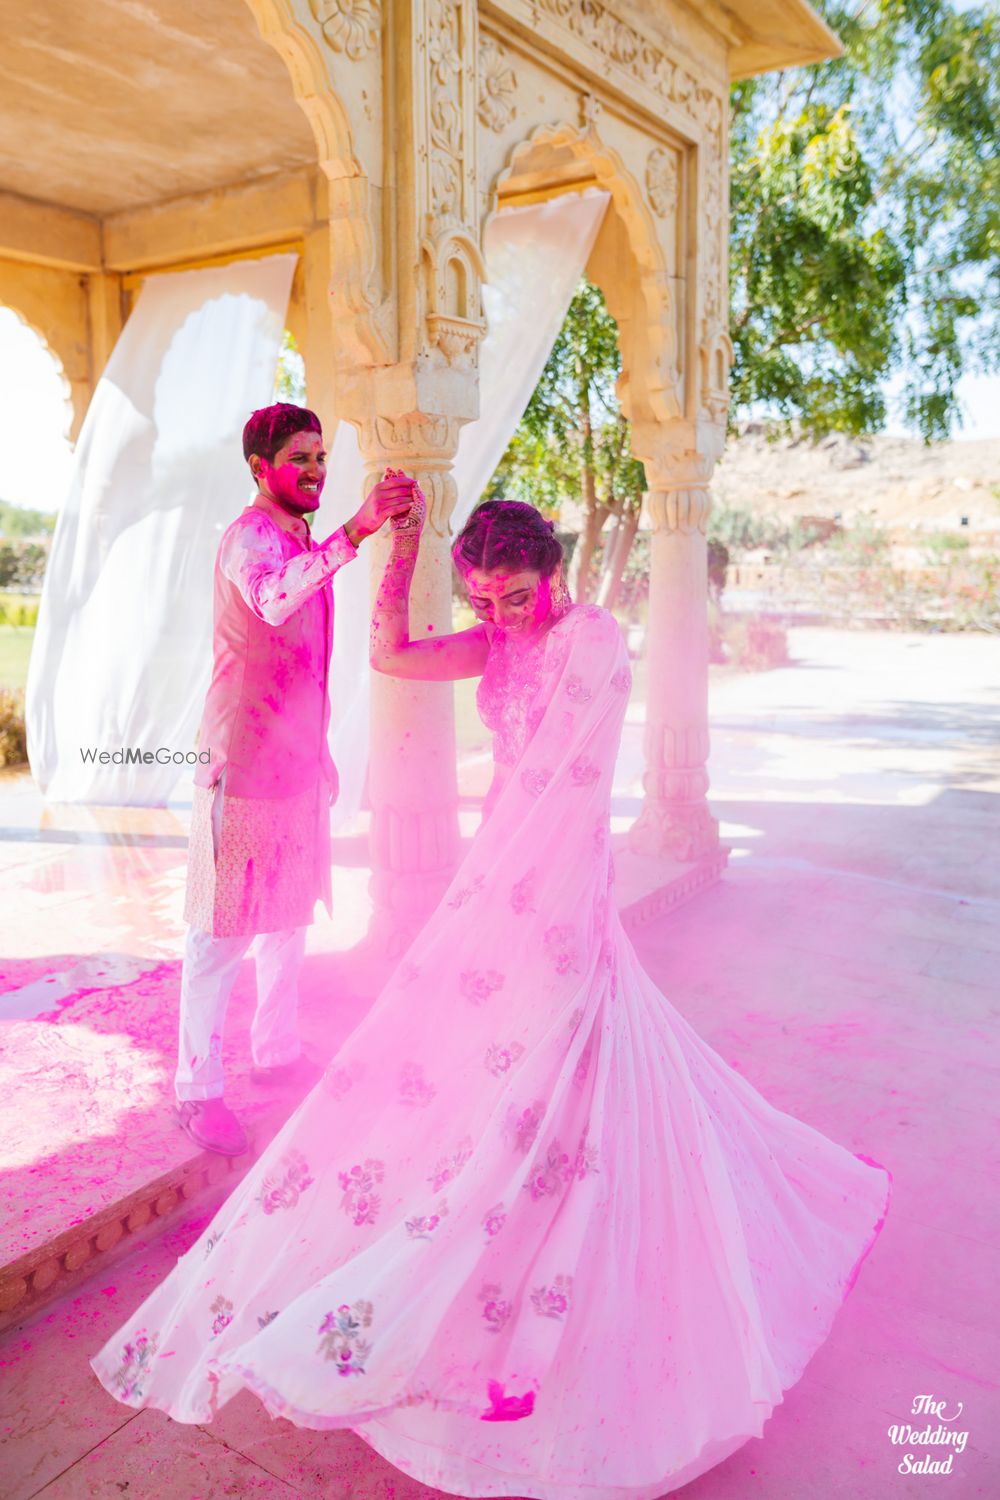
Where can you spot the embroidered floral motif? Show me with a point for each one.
(522, 894)
(339, 1339)
(422, 1226)
(494, 1219)
(600, 836)
(553, 1301)
(576, 690)
(525, 1125)
(497, 1310)
(450, 1166)
(575, 1019)
(534, 781)
(478, 985)
(584, 772)
(466, 893)
(585, 1161)
(507, 1408)
(223, 1310)
(283, 1188)
(264, 1318)
(413, 1087)
(360, 1200)
(607, 955)
(622, 680)
(499, 1060)
(560, 943)
(547, 1177)
(137, 1356)
(339, 1081)
(583, 1065)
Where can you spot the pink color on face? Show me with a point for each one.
(515, 601)
(296, 478)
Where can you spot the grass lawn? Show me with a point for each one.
(15, 648)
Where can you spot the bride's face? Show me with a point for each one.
(516, 601)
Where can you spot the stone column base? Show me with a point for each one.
(674, 830)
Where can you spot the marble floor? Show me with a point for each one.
(848, 965)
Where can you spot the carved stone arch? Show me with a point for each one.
(642, 302)
(76, 393)
(365, 333)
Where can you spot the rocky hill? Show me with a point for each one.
(896, 482)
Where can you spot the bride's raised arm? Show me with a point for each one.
(441, 658)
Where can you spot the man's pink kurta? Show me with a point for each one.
(265, 725)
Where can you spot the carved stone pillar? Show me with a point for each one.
(675, 821)
(412, 777)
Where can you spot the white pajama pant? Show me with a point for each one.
(207, 977)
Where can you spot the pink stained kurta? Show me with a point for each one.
(265, 724)
(530, 1235)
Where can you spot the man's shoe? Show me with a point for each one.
(300, 1070)
(212, 1125)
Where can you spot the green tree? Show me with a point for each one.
(865, 229)
(290, 375)
(573, 444)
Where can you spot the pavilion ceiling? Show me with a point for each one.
(112, 104)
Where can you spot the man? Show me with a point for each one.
(259, 854)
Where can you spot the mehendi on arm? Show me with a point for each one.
(441, 659)
(273, 587)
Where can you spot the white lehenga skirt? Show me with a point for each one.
(529, 1236)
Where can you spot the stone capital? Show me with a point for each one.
(678, 497)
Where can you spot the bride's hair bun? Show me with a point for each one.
(508, 534)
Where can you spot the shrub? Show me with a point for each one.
(16, 610)
(754, 644)
(13, 734)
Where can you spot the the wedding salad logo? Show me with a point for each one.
(937, 1433)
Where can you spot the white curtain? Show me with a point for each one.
(535, 257)
(122, 654)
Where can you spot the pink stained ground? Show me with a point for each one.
(846, 966)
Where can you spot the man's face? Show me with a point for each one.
(296, 476)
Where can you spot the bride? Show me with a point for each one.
(529, 1235)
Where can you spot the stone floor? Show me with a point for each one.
(848, 965)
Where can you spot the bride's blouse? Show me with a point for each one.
(509, 701)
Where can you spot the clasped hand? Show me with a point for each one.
(395, 496)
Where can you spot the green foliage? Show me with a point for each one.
(573, 425)
(13, 735)
(865, 235)
(16, 610)
(22, 564)
(20, 521)
(573, 441)
(290, 375)
(740, 529)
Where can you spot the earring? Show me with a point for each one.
(561, 599)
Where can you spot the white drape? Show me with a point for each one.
(122, 654)
(535, 257)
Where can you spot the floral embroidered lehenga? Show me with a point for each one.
(529, 1235)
